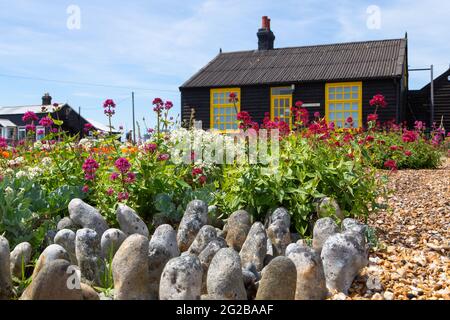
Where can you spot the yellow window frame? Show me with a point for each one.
(343, 101)
(273, 97)
(226, 104)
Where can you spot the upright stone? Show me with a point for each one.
(131, 271)
(355, 226)
(51, 253)
(343, 256)
(278, 280)
(254, 248)
(206, 257)
(51, 283)
(225, 280)
(158, 256)
(327, 206)
(111, 241)
(323, 229)
(5, 272)
(130, 222)
(20, 257)
(66, 223)
(86, 216)
(87, 249)
(279, 231)
(166, 236)
(238, 227)
(311, 284)
(194, 218)
(66, 239)
(181, 279)
(204, 236)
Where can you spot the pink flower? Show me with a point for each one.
(419, 125)
(349, 120)
(109, 107)
(88, 127)
(3, 143)
(89, 167)
(122, 196)
(54, 130)
(158, 105)
(163, 157)
(299, 104)
(131, 177)
(30, 128)
(122, 165)
(41, 132)
(30, 116)
(378, 101)
(391, 164)
(110, 191)
(317, 114)
(46, 122)
(408, 153)
(114, 176)
(372, 117)
(85, 189)
(197, 171)
(409, 136)
(202, 179)
(168, 105)
(151, 147)
(394, 148)
(233, 97)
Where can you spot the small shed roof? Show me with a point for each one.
(332, 62)
(23, 109)
(6, 123)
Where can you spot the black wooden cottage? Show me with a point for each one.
(13, 128)
(337, 80)
(419, 103)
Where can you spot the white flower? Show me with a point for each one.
(20, 174)
(8, 190)
(38, 145)
(46, 161)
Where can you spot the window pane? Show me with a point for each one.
(229, 119)
(339, 96)
(339, 106)
(355, 106)
(355, 123)
(347, 89)
(331, 96)
(347, 96)
(222, 126)
(355, 115)
(281, 103)
(355, 89)
(339, 115)
(347, 106)
(228, 126)
(332, 90)
(331, 106)
(355, 96)
(216, 110)
(235, 126)
(339, 90)
(346, 115)
(332, 116)
(222, 118)
(339, 124)
(228, 110)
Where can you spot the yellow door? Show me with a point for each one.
(281, 104)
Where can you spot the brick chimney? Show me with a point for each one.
(266, 37)
(46, 99)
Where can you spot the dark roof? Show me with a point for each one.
(439, 78)
(344, 61)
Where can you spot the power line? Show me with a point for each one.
(83, 83)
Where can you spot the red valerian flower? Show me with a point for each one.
(122, 196)
(114, 176)
(30, 116)
(109, 106)
(299, 104)
(419, 125)
(233, 97)
(394, 148)
(163, 157)
(150, 147)
(122, 165)
(85, 189)
(409, 136)
(46, 122)
(30, 128)
(88, 127)
(131, 177)
(391, 164)
(408, 153)
(349, 120)
(197, 171)
(168, 105)
(202, 179)
(317, 114)
(378, 101)
(370, 139)
(110, 191)
(89, 167)
(3, 144)
(158, 105)
(372, 117)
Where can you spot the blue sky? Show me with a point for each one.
(158, 44)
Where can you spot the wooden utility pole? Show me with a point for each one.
(134, 122)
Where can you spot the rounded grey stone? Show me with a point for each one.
(194, 218)
(323, 229)
(19, 259)
(51, 253)
(66, 223)
(254, 248)
(111, 241)
(279, 231)
(204, 236)
(207, 255)
(5, 272)
(88, 253)
(130, 222)
(278, 280)
(225, 278)
(87, 216)
(66, 239)
(181, 279)
(238, 226)
(166, 236)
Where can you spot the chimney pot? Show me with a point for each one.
(265, 22)
(46, 99)
(266, 37)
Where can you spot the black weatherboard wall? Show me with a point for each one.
(256, 100)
